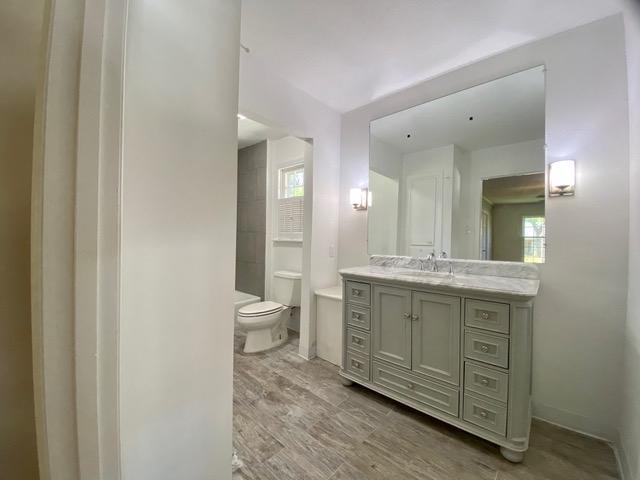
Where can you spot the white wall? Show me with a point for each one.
(385, 171)
(281, 255)
(630, 412)
(385, 159)
(21, 27)
(461, 208)
(266, 97)
(383, 214)
(581, 309)
(505, 160)
(178, 222)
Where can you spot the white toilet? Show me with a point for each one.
(266, 322)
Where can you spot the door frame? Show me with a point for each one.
(75, 239)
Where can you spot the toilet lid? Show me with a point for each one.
(261, 308)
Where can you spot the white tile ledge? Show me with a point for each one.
(334, 293)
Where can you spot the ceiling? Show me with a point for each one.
(516, 189)
(507, 110)
(347, 53)
(251, 132)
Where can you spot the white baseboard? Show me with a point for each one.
(621, 459)
(577, 423)
(588, 428)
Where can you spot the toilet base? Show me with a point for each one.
(265, 339)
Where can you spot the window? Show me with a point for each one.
(291, 202)
(533, 235)
(291, 182)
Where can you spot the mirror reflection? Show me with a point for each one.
(463, 175)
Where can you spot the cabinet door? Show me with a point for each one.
(436, 336)
(391, 325)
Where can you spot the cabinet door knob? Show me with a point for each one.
(356, 316)
(415, 317)
(357, 340)
(406, 315)
(410, 386)
(483, 413)
(484, 382)
(484, 348)
(356, 292)
(484, 315)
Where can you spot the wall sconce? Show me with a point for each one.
(359, 198)
(562, 178)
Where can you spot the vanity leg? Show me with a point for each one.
(346, 382)
(512, 455)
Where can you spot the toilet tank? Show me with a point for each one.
(285, 287)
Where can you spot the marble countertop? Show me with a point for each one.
(488, 284)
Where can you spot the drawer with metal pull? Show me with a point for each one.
(486, 381)
(358, 341)
(487, 315)
(485, 414)
(358, 365)
(358, 317)
(359, 293)
(423, 391)
(486, 348)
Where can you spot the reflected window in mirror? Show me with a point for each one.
(513, 211)
(533, 234)
(458, 174)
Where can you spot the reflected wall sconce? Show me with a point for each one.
(562, 178)
(359, 198)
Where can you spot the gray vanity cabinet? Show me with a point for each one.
(461, 356)
(391, 325)
(435, 336)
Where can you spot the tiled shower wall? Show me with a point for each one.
(251, 232)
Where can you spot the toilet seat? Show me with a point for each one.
(260, 309)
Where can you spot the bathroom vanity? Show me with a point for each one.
(456, 346)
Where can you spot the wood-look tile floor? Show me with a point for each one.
(293, 420)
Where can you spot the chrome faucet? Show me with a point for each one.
(432, 259)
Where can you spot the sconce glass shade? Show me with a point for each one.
(358, 198)
(562, 178)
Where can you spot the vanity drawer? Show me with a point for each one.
(485, 414)
(358, 365)
(486, 348)
(418, 389)
(486, 381)
(359, 293)
(358, 317)
(358, 341)
(487, 315)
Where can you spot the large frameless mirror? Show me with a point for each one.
(462, 175)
